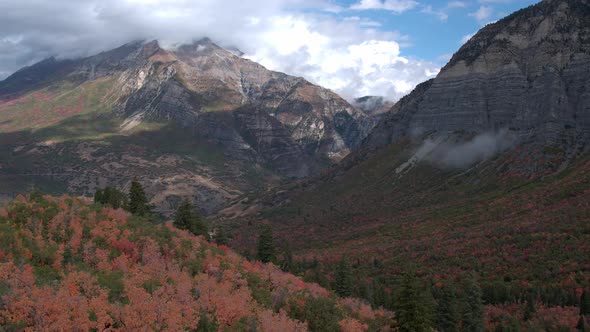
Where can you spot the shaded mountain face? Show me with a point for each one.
(527, 73)
(513, 103)
(271, 122)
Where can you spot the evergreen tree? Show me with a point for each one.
(206, 324)
(287, 261)
(530, 309)
(473, 315)
(186, 219)
(585, 304)
(581, 326)
(414, 306)
(447, 313)
(344, 279)
(266, 247)
(138, 203)
(221, 237)
(98, 196)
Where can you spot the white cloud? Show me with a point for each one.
(348, 55)
(444, 58)
(483, 14)
(398, 6)
(443, 13)
(496, 1)
(440, 14)
(466, 38)
(457, 4)
(338, 54)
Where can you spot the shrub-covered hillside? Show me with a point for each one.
(68, 265)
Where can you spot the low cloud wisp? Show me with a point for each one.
(459, 155)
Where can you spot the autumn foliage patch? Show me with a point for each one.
(66, 264)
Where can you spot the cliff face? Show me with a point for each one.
(529, 73)
(195, 122)
(185, 84)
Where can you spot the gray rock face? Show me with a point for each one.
(311, 123)
(529, 72)
(195, 84)
(268, 137)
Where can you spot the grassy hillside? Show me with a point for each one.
(523, 237)
(66, 264)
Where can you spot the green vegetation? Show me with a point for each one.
(138, 203)
(186, 219)
(266, 247)
(344, 279)
(322, 314)
(112, 197)
(414, 307)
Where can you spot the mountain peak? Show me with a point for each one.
(525, 75)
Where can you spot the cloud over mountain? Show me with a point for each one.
(299, 37)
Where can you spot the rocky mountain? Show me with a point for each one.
(266, 124)
(527, 73)
(480, 170)
(373, 106)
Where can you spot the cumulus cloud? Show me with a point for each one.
(457, 4)
(299, 37)
(483, 14)
(398, 6)
(441, 14)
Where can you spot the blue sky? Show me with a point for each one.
(435, 29)
(354, 47)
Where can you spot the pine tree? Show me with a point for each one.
(448, 310)
(287, 261)
(138, 203)
(414, 306)
(344, 279)
(266, 247)
(186, 219)
(221, 237)
(585, 304)
(473, 315)
(530, 309)
(112, 197)
(581, 326)
(98, 196)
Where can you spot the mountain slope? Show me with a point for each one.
(527, 73)
(68, 265)
(266, 126)
(483, 169)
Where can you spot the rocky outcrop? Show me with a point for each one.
(186, 84)
(529, 73)
(194, 85)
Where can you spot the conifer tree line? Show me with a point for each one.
(135, 201)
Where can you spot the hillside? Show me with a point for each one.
(526, 74)
(483, 170)
(68, 265)
(193, 122)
